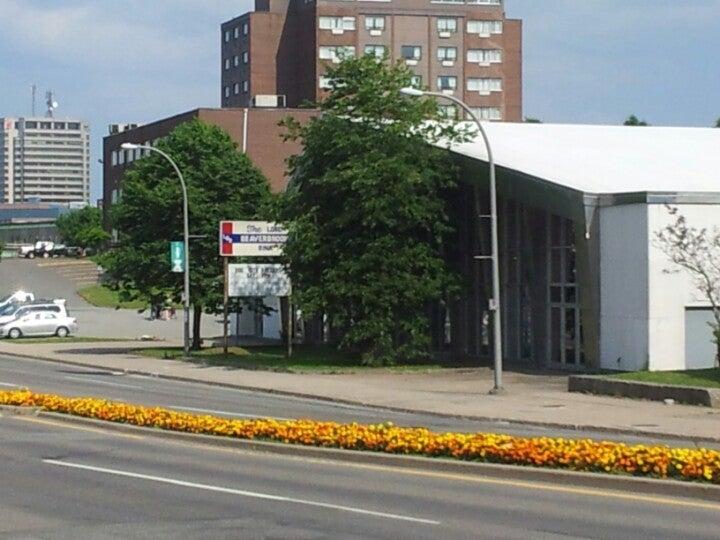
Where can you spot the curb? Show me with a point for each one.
(271, 391)
(519, 473)
(690, 395)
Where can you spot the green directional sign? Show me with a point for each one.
(177, 257)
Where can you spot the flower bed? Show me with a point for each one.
(578, 455)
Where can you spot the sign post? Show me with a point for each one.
(177, 257)
(254, 239)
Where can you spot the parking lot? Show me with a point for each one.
(62, 277)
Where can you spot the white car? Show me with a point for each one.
(18, 297)
(16, 311)
(39, 323)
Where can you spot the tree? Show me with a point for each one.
(82, 228)
(531, 120)
(365, 212)
(633, 120)
(698, 252)
(717, 123)
(222, 184)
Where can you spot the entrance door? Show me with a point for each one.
(564, 341)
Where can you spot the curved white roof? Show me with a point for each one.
(606, 159)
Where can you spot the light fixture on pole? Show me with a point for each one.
(495, 301)
(186, 240)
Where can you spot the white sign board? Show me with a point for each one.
(258, 280)
(251, 239)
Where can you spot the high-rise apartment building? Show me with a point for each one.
(45, 159)
(277, 55)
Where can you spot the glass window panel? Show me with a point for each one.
(555, 274)
(555, 335)
(556, 294)
(570, 270)
(570, 336)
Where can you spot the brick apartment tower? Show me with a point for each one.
(276, 55)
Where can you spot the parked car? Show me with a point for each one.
(27, 252)
(18, 297)
(39, 323)
(17, 310)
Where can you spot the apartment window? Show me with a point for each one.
(375, 25)
(446, 26)
(227, 63)
(447, 82)
(484, 56)
(325, 82)
(337, 25)
(227, 36)
(236, 88)
(484, 28)
(58, 125)
(246, 28)
(416, 81)
(236, 60)
(30, 125)
(246, 57)
(227, 91)
(236, 32)
(447, 111)
(246, 86)
(376, 50)
(411, 52)
(488, 113)
(447, 55)
(121, 157)
(74, 125)
(114, 158)
(336, 54)
(484, 86)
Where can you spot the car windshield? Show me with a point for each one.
(9, 309)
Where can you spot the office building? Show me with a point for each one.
(44, 160)
(277, 55)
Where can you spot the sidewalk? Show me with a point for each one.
(530, 398)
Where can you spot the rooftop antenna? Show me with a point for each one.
(51, 104)
(34, 98)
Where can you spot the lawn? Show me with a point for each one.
(707, 378)
(305, 359)
(100, 296)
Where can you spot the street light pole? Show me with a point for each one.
(186, 240)
(495, 301)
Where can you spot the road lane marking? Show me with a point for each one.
(95, 381)
(226, 413)
(63, 425)
(241, 493)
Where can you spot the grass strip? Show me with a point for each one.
(691, 464)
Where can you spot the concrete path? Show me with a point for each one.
(531, 398)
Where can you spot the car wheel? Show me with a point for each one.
(14, 333)
(62, 332)
(31, 256)
(46, 255)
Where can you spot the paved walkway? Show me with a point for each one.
(530, 398)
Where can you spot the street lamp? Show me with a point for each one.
(186, 238)
(495, 301)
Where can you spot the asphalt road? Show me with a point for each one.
(61, 482)
(43, 376)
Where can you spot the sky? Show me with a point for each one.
(584, 61)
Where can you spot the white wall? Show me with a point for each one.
(670, 292)
(623, 287)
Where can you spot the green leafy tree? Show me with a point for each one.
(717, 123)
(222, 184)
(531, 120)
(633, 120)
(83, 228)
(366, 212)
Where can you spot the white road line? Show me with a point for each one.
(95, 381)
(241, 493)
(9, 385)
(226, 413)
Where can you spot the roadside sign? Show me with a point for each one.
(251, 239)
(177, 257)
(258, 280)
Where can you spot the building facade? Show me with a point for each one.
(44, 159)
(467, 48)
(256, 132)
